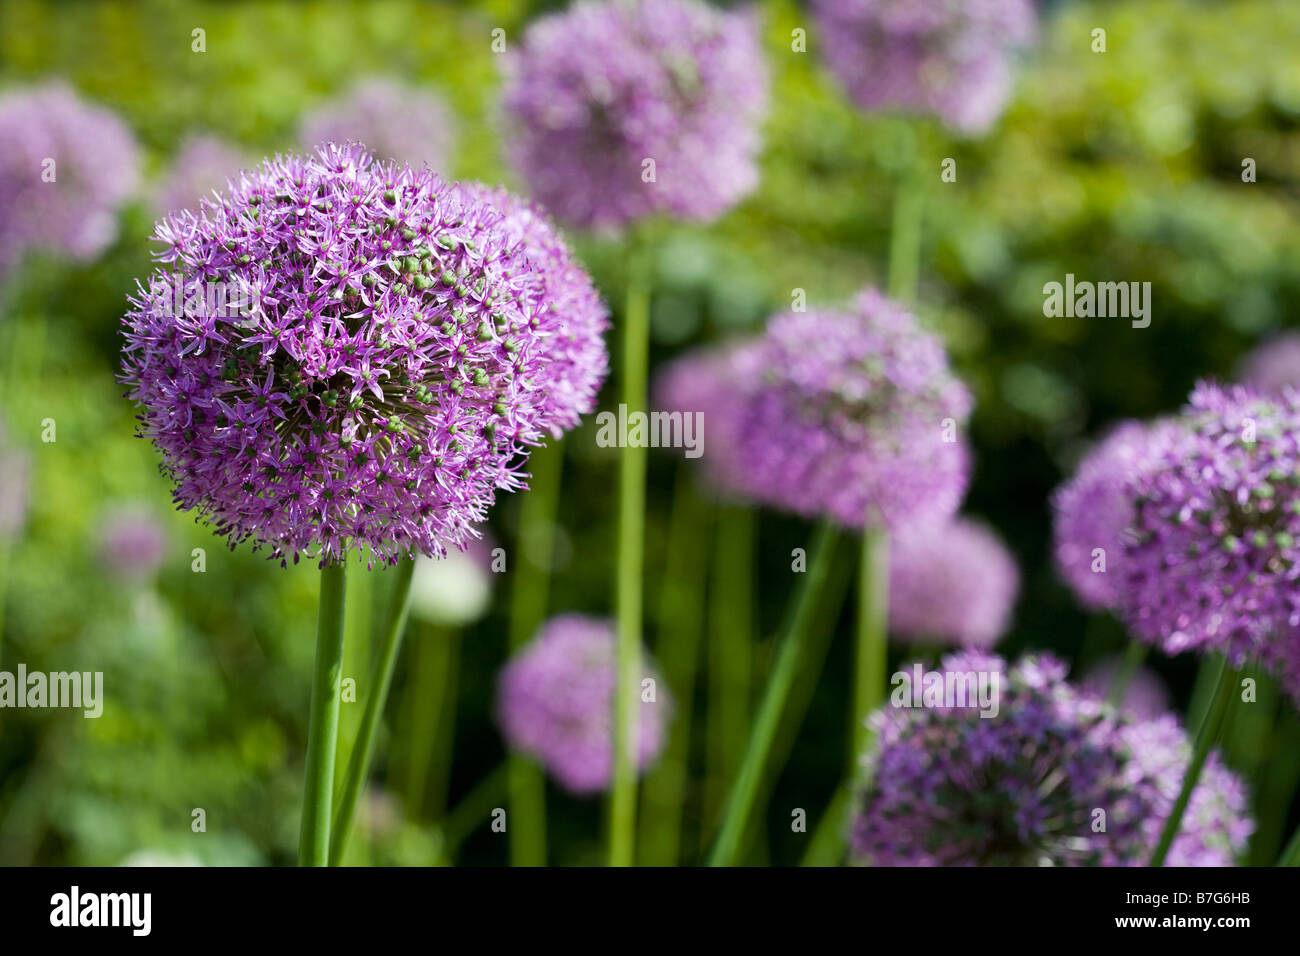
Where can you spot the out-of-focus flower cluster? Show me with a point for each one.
(850, 415)
(947, 786)
(555, 702)
(65, 169)
(596, 94)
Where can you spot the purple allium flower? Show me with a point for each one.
(132, 542)
(65, 169)
(375, 374)
(1213, 559)
(948, 58)
(555, 701)
(1216, 824)
(945, 786)
(1093, 511)
(1146, 696)
(202, 163)
(852, 415)
(954, 583)
(596, 91)
(1273, 365)
(401, 123)
(573, 319)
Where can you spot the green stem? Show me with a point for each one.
(680, 626)
(731, 650)
(429, 709)
(873, 640)
(905, 238)
(786, 667)
(1134, 655)
(473, 807)
(1205, 738)
(323, 726)
(380, 681)
(631, 535)
(529, 598)
(826, 848)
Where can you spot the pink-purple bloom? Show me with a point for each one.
(405, 124)
(947, 58)
(555, 702)
(202, 163)
(1212, 560)
(1094, 513)
(951, 584)
(597, 93)
(943, 785)
(65, 169)
(1274, 365)
(377, 369)
(132, 542)
(851, 415)
(574, 346)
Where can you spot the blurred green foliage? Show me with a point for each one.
(1123, 165)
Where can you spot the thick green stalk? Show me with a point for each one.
(731, 651)
(323, 726)
(905, 238)
(431, 709)
(789, 658)
(529, 599)
(873, 634)
(461, 822)
(1208, 733)
(826, 848)
(376, 697)
(1291, 855)
(680, 627)
(631, 537)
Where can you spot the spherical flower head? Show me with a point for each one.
(1145, 697)
(571, 316)
(945, 785)
(65, 170)
(1274, 365)
(456, 589)
(854, 416)
(555, 702)
(1093, 513)
(401, 123)
(338, 353)
(1213, 558)
(951, 584)
(1217, 823)
(202, 164)
(598, 93)
(132, 542)
(947, 58)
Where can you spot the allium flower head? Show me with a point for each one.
(945, 786)
(132, 542)
(851, 415)
(1214, 559)
(1274, 365)
(374, 374)
(595, 92)
(65, 168)
(954, 584)
(397, 122)
(202, 163)
(555, 702)
(948, 58)
(572, 317)
(1094, 513)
